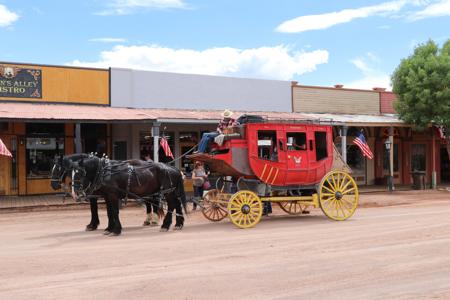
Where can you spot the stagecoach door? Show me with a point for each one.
(296, 154)
(271, 154)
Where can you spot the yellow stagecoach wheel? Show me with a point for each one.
(245, 209)
(338, 195)
(215, 205)
(292, 207)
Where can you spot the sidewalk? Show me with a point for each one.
(54, 202)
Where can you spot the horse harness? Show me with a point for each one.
(105, 171)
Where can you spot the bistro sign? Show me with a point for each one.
(20, 82)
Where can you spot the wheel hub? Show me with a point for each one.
(338, 195)
(245, 209)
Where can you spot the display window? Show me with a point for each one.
(44, 142)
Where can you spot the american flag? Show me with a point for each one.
(4, 150)
(360, 141)
(165, 145)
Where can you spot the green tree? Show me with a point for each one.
(422, 83)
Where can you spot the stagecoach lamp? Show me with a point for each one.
(387, 144)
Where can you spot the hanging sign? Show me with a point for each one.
(20, 82)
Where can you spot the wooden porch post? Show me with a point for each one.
(344, 143)
(155, 133)
(78, 148)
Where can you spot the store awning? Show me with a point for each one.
(69, 113)
(361, 120)
(104, 114)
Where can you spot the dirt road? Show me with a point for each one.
(389, 252)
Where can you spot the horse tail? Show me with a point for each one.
(181, 194)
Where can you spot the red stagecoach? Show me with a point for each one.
(290, 163)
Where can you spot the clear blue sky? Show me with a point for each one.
(355, 43)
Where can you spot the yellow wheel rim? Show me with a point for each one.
(245, 209)
(338, 195)
(215, 205)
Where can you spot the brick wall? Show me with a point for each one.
(386, 102)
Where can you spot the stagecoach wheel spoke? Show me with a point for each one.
(292, 207)
(212, 206)
(245, 209)
(338, 195)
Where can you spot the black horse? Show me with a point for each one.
(63, 167)
(115, 180)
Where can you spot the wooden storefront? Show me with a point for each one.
(33, 139)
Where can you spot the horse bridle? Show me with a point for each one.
(60, 179)
(94, 185)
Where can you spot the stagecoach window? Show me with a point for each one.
(43, 143)
(321, 145)
(267, 145)
(296, 141)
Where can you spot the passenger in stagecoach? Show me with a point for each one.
(226, 122)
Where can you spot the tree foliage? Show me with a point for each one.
(422, 83)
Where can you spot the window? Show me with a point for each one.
(418, 157)
(4, 126)
(94, 138)
(120, 150)
(41, 153)
(296, 141)
(267, 145)
(321, 145)
(43, 143)
(146, 145)
(191, 137)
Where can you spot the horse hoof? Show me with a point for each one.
(178, 227)
(146, 223)
(107, 232)
(91, 228)
(164, 230)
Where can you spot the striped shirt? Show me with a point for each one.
(225, 123)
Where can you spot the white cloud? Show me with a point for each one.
(437, 9)
(125, 7)
(278, 62)
(7, 17)
(370, 76)
(108, 40)
(323, 21)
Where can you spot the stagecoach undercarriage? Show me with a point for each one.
(242, 201)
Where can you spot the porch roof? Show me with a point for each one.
(10, 111)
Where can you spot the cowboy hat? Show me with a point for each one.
(227, 113)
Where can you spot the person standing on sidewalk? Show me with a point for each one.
(199, 177)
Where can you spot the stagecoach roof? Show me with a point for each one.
(10, 111)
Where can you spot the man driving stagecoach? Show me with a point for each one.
(226, 122)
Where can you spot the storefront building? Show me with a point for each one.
(372, 111)
(28, 128)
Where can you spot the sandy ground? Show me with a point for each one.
(399, 251)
